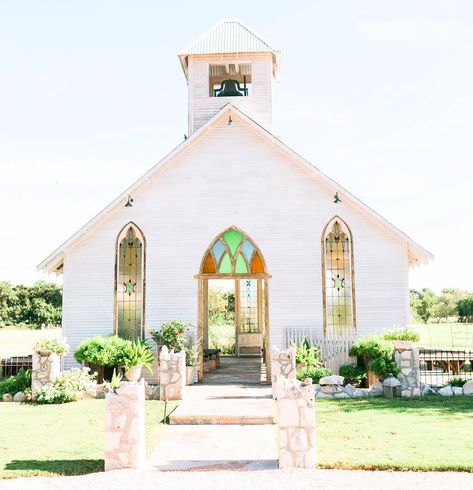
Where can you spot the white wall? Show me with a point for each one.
(233, 176)
(257, 105)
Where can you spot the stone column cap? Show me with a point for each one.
(402, 345)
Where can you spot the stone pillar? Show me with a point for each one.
(172, 374)
(125, 426)
(296, 404)
(283, 363)
(406, 355)
(46, 368)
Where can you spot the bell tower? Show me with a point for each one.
(230, 63)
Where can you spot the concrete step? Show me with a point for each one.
(225, 405)
(227, 447)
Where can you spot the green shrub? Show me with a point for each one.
(307, 354)
(372, 347)
(51, 346)
(458, 382)
(136, 353)
(13, 384)
(382, 366)
(103, 351)
(407, 334)
(70, 386)
(315, 373)
(352, 374)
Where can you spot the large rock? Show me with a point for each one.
(446, 391)
(468, 388)
(19, 397)
(349, 389)
(7, 398)
(457, 390)
(332, 380)
(321, 394)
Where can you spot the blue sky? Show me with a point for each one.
(377, 94)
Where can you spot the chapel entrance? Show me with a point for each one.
(233, 310)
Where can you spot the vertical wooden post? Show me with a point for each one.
(200, 330)
(205, 313)
(267, 340)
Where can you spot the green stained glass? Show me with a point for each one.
(225, 265)
(233, 239)
(240, 267)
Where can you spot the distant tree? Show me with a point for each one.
(447, 303)
(422, 303)
(7, 298)
(465, 309)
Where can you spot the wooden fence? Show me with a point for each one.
(333, 347)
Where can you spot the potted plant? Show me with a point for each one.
(307, 355)
(47, 347)
(137, 355)
(192, 357)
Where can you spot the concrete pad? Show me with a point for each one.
(211, 447)
(225, 404)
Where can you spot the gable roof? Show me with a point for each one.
(228, 36)
(417, 254)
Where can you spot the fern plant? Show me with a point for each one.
(138, 353)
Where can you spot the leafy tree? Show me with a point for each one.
(465, 309)
(7, 297)
(447, 304)
(221, 306)
(422, 303)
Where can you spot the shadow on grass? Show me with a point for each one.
(439, 405)
(55, 466)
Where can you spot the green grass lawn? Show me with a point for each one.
(403, 434)
(67, 439)
(445, 335)
(415, 434)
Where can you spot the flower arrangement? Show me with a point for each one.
(171, 334)
(70, 386)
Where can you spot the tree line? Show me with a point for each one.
(426, 305)
(34, 306)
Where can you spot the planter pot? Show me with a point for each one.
(190, 375)
(134, 373)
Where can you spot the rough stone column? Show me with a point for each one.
(406, 355)
(46, 368)
(297, 435)
(125, 426)
(283, 363)
(172, 374)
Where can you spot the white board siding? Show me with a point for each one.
(234, 176)
(257, 105)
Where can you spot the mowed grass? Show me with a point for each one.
(402, 434)
(224, 334)
(68, 439)
(445, 335)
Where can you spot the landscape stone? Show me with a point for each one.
(332, 380)
(341, 395)
(468, 388)
(349, 389)
(457, 390)
(19, 397)
(446, 391)
(7, 398)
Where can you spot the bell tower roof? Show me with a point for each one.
(229, 36)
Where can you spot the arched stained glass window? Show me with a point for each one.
(338, 276)
(233, 252)
(130, 283)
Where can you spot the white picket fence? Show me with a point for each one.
(333, 347)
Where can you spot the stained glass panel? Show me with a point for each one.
(217, 249)
(257, 265)
(249, 306)
(247, 248)
(225, 265)
(130, 285)
(233, 239)
(338, 287)
(240, 266)
(209, 265)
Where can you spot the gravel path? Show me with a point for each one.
(241, 480)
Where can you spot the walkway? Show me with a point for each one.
(219, 427)
(237, 370)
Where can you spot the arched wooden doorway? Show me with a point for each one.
(233, 255)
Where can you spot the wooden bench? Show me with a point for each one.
(212, 355)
